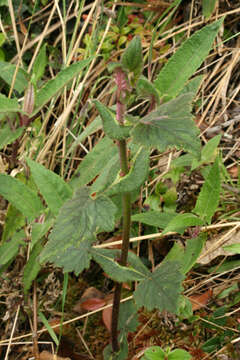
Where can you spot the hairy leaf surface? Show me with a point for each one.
(77, 223)
(188, 255)
(208, 7)
(182, 221)
(170, 125)
(108, 259)
(8, 105)
(9, 249)
(52, 87)
(162, 289)
(183, 64)
(14, 221)
(39, 65)
(94, 162)
(20, 196)
(110, 125)
(107, 175)
(209, 196)
(154, 218)
(53, 188)
(7, 136)
(71, 257)
(136, 176)
(7, 72)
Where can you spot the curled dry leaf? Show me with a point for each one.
(200, 301)
(46, 355)
(91, 299)
(93, 304)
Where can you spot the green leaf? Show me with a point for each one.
(182, 221)
(71, 257)
(208, 7)
(183, 64)
(39, 230)
(164, 285)
(192, 85)
(39, 65)
(14, 220)
(7, 72)
(94, 162)
(9, 249)
(154, 353)
(136, 176)
(32, 268)
(170, 125)
(208, 198)
(2, 39)
(108, 259)
(132, 57)
(49, 328)
(8, 105)
(107, 176)
(110, 125)
(77, 223)
(233, 248)
(95, 125)
(179, 354)
(188, 255)
(146, 88)
(154, 218)
(53, 188)
(52, 87)
(128, 321)
(20, 196)
(209, 151)
(226, 266)
(7, 135)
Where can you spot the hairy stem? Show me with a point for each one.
(126, 202)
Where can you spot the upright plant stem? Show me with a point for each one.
(35, 321)
(126, 202)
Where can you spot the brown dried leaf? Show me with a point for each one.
(200, 301)
(107, 313)
(93, 304)
(90, 293)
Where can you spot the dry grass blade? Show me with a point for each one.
(12, 332)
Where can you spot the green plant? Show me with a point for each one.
(79, 211)
(156, 353)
